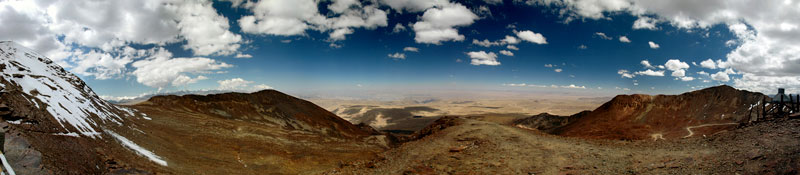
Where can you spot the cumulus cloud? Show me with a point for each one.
(510, 40)
(439, 23)
(653, 45)
(549, 65)
(646, 64)
(411, 49)
(241, 55)
(708, 64)
(625, 73)
(558, 70)
(294, 17)
(721, 76)
(686, 78)
(650, 72)
(411, 5)
(624, 39)
(398, 28)
(602, 36)
(583, 9)
(485, 43)
(398, 55)
(679, 73)
(483, 58)
(512, 47)
(506, 53)
(96, 38)
(645, 23)
(233, 84)
(767, 32)
(531, 36)
(161, 69)
(675, 64)
(240, 85)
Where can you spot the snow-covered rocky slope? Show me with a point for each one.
(54, 123)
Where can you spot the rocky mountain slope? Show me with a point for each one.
(692, 114)
(547, 122)
(53, 123)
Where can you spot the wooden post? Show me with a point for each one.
(791, 103)
(764, 107)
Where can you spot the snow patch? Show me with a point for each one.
(44, 80)
(16, 122)
(139, 150)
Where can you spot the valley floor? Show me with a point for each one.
(482, 147)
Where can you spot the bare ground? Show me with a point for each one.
(482, 147)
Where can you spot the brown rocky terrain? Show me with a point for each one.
(638, 116)
(53, 123)
(240, 133)
(468, 146)
(546, 122)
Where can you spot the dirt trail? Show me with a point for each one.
(704, 125)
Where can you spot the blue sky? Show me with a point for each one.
(582, 43)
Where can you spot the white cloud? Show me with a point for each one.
(234, 84)
(572, 86)
(205, 31)
(262, 87)
(411, 49)
(625, 74)
(240, 85)
(184, 80)
(583, 47)
(624, 39)
(485, 43)
(653, 45)
(650, 72)
(483, 58)
(294, 17)
(512, 47)
(549, 65)
(160, 69)
(506, 53)
(703, 73)
(584, 9)
(687, 78)
(679, 73)
(411, 5)
(398, 55)
(675, 64)
(602, 36)
(646, 64)
(720, 76)
(708, 64)
(766, 34)
(241, 55)
(510, 40)
(530, 36)
(645, 23)
(557, 70)
(398, 28)
(438, 23)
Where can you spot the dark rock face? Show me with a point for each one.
(547, 122)
(697, 113)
